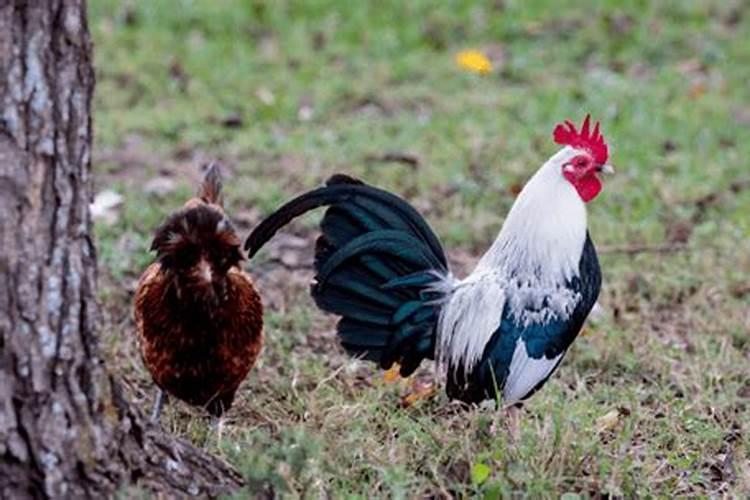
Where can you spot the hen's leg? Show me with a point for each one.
(161, 398)
(216, 409)
(217, 425)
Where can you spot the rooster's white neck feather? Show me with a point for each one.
(544, 233)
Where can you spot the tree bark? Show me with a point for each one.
(65, 430)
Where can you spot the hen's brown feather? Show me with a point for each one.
(199, 339)
(200, 359)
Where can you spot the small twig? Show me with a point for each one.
(395, 157)
(641, 248)
(330, 377)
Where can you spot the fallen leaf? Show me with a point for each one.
(305, 109)
(608, 421)
(265, 96)
(159, 186)
(419, 390)
(392, 374)
(570, 496)
(104, 205)
(305, 113)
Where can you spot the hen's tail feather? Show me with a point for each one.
(378, 265)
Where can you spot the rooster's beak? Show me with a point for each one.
(607, 169)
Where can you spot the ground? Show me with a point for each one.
(652, 398)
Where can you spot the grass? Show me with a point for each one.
(286, 93)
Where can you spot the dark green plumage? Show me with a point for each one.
(376, 262)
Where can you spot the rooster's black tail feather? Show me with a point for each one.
(378, 266)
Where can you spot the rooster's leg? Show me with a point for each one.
(513, 414)
(158, 405)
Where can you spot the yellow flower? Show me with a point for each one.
(474, 61)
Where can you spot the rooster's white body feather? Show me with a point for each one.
(525, 270)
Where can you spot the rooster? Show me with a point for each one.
(500, 332)
(199, 319)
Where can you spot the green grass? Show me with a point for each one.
(320, 87)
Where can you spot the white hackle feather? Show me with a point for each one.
(538, 249)
(545, 230)
(476, 305)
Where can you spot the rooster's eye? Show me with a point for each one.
(580, 162)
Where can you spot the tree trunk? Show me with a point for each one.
(65, 431)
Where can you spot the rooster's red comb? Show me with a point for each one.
(590, 140)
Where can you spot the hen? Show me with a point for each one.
(198, 316)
